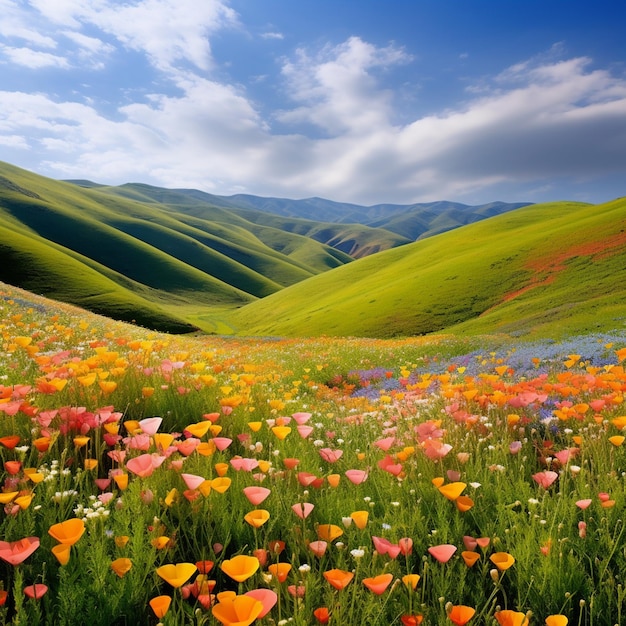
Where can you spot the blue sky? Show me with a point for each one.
(358, 101)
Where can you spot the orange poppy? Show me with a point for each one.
(280, 571)
(556, 620)
(470, 557)
(10, 441)
(221, 484)
(411, 580)
(511, 618)
(360, 518)
(12, 467)
(237, 611)
(338, 578)
(322, 615)
(68, 532)
(204, 567)
(160, 605)
(121, 480)
(42, 443)
(378, 584)
(257, 518)
(276, 546)
(333, 479)
(121, 566)
(176, 574)
(464, 503)
(281, 431)
(62, 552)
(502, 560)
(329, 532)
(461, 614)
(240, 567)
(452, 490)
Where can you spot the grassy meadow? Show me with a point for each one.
(151, 478)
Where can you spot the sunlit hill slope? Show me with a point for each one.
(541, 270)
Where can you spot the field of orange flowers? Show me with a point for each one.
(212, 480)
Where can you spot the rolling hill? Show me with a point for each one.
(138, 260)
(181, 260)
(542, 270)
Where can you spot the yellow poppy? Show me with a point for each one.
(176, 574)
(240, 567)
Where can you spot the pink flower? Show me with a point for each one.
(15, 552)
(329, 455)
(435, 449)
(36, 591)
(256, 495)
(515, 447)
(384, 546)
(406, 545)
(303, 509)
(356, 476)
(244, 464)
(385, 444)
(442, 553)
(192, 481)
(545, 479)
(266, 597)
(318, 547)
(150, 425)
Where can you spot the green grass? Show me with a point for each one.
(466, 280)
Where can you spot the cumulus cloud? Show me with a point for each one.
(336, 133)
(336, 88)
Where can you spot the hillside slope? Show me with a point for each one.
(545, 269)
(134, 258)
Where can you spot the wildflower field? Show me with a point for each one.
(153, 479)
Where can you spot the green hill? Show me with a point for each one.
(541, 270)
(122, 252)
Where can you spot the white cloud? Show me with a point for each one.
(33, 59)
(91, 45)
(336, 88)
(16, 24)
(272, 35)
(542, 118)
